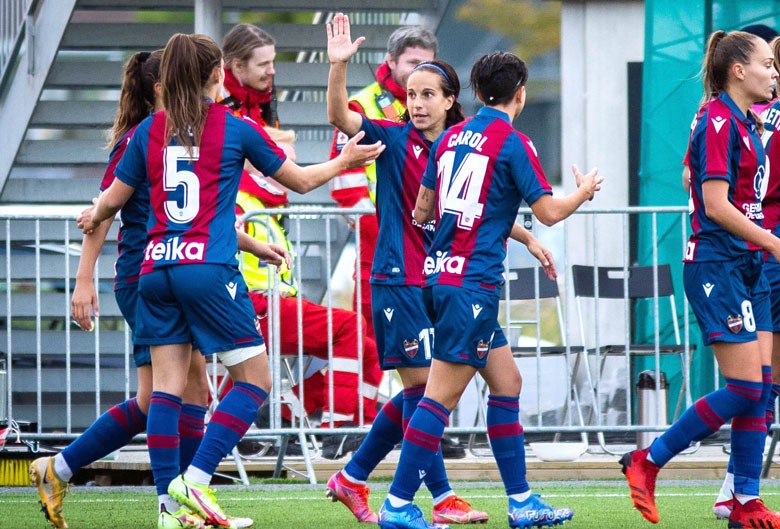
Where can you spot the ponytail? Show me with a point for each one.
(723, 51)
(137, 95)
(187, 64)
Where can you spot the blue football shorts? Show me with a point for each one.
(404, 334)
(127, 301)
(730, 299)
(465, 321)
(207, 304)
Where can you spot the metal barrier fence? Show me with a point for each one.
(12, 19)
(61, 378)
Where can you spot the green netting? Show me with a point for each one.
(675, 35)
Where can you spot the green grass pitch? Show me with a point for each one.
(597, 505)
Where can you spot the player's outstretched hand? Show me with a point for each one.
(589, 182)
(355, 155)
(340, 45)
(86, 220)
(84, 299)
(544, 256)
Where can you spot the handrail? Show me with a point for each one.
(13, 15)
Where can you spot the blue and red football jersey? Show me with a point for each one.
(724, 145)
(771, 140)
(481, 169)
(193, 200)
(132, 222)
(402, 243)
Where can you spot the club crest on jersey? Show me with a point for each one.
(735, 323)
(718, 122)
(411, 347)
(482, 349)
(444, 263)
(761, 182)
(174, 249)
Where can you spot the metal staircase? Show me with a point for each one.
(62, 71)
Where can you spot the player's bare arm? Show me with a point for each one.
(105, 206)
(551, 210)
(304, 179)
(535, 248)
(424, 207)
(722, 211)
(340, 51)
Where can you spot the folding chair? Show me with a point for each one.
(640, 283)
(526, 284)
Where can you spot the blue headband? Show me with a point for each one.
(435, 67)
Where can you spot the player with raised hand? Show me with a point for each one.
(485, 169)
(723, 277)
(191, 155)
(404, 332)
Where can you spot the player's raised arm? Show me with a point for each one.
(340, 50)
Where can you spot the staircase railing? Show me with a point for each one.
(13, 15)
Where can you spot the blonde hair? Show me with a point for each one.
(280, 135)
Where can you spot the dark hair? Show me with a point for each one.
(450, 86)
(241, 41)
(187, 64)
(410, 37)
(497, 76)
(723, 50)
(761, 30)
(136, 98)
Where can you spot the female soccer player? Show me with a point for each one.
(770, 207)
(485, 169)
(723, 277)
(138, 97)
(405, 334)
(191, 156)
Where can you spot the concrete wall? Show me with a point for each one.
(598, 40)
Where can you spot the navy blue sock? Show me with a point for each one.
(227, 426)
(191, 430)
(705, 417)
(770, 406)
(507, 441)
(162, 438)
(436, 480)
(111, 431)
(386, 431)
(421, 442)
(748, 432)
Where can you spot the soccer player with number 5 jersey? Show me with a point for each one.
(192, 155)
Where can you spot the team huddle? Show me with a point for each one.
(447, 189)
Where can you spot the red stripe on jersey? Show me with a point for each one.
(154, 170)
(208, 169)
(717, 139)
(116, 155)
(463, 241)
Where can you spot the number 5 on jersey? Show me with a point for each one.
(182, 206)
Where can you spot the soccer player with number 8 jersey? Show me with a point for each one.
(724, 279)
(478, 173)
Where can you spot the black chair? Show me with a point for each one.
(531, 284)
(634, 283)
